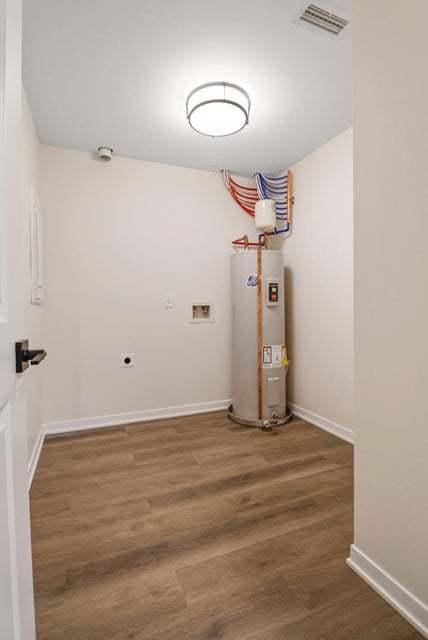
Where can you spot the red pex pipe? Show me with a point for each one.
(244, 194)
(241, 243)
(241, 186)
(246, 202)
(244, 207)
(245, 197)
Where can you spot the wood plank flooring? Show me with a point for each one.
(198, 529)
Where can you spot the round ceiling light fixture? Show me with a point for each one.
(218, 109)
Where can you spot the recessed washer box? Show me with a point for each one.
(201, 312)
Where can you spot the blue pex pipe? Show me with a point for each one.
(275, 178)
(266, 191)
(273, 185)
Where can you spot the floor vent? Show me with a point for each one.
(323, 19)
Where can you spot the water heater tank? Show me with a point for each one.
(245, 343)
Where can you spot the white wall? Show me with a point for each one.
(119, 236)
(391, 284)
(319, 281)
(34, 314)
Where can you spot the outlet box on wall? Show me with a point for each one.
(201, 312)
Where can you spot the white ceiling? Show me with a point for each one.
(117, 72)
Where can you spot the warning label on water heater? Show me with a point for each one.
(274, 356)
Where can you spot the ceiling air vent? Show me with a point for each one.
(323, 19)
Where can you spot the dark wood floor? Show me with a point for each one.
(196, 529)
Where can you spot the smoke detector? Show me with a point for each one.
(105, 153)
(323, 19)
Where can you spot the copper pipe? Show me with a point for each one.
(259, 335)
(289, 197)
(244, 242)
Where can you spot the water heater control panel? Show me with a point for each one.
(272, 292)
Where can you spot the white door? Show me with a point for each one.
(16, 589)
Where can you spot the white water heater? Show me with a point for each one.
(259, 359)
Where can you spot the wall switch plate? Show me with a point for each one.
(169, 301)
(127, 360)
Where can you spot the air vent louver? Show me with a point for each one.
(323, 19)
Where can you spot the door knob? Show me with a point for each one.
(26, 356)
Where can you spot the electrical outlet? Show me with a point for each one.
(127, 360)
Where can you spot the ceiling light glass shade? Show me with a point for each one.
(218, 109)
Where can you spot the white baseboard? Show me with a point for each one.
(145, 415)
(35, 455)
(410, 607)
(332, 427)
